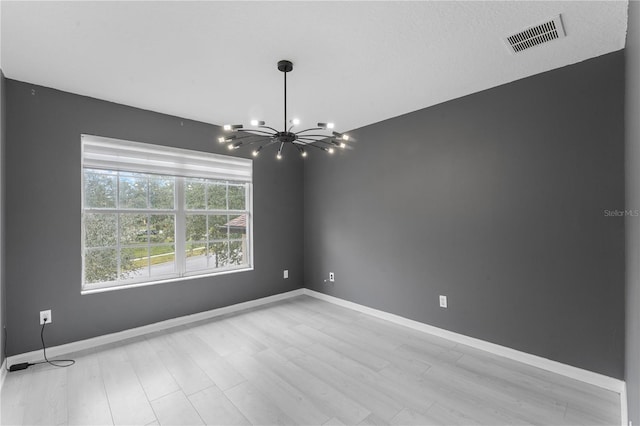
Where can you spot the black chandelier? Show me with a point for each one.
(261, 136)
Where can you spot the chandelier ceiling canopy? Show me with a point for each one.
(260, 136)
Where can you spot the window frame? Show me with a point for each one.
(179, 211)
(207, 212)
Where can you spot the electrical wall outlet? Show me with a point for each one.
(45, 316)
(443, 301)
(285, 275)
(332, 277)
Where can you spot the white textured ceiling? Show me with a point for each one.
(355, 63)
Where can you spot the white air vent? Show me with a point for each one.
(533, 36)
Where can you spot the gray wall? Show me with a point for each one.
(2, 207)
(633, 202)
(495, 200)
(43, 262)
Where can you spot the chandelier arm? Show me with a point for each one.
(260, 131)
(319, 136)
(317, 147)
(271, 142)
(304, 143)
(238, 138)
(308, 130)
(308, 143)
(256, 151)
(270, 128)
(248, 136)
(313, 140)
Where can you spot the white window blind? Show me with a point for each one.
(116, 154)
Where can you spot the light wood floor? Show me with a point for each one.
(305, 362)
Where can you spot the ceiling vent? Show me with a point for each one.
(533, 36)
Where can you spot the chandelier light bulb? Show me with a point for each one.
(279, 156)
(345, 137)
(227, 127)
(330, 125)
(304, 153)
(295, 121)
(254, 122)
(255, 153)
(330, 150)
(221, 139)
(342, 145)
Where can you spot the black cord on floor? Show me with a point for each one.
(68, 362)
(24, 365)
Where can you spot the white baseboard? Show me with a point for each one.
(586, 376)
(68, 348)
(3, 373)
(624, 407)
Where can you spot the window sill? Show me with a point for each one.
(170, 280)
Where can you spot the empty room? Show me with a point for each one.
(320, 212)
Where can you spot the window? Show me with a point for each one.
(153, 214)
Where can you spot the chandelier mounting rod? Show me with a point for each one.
(285, 66)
